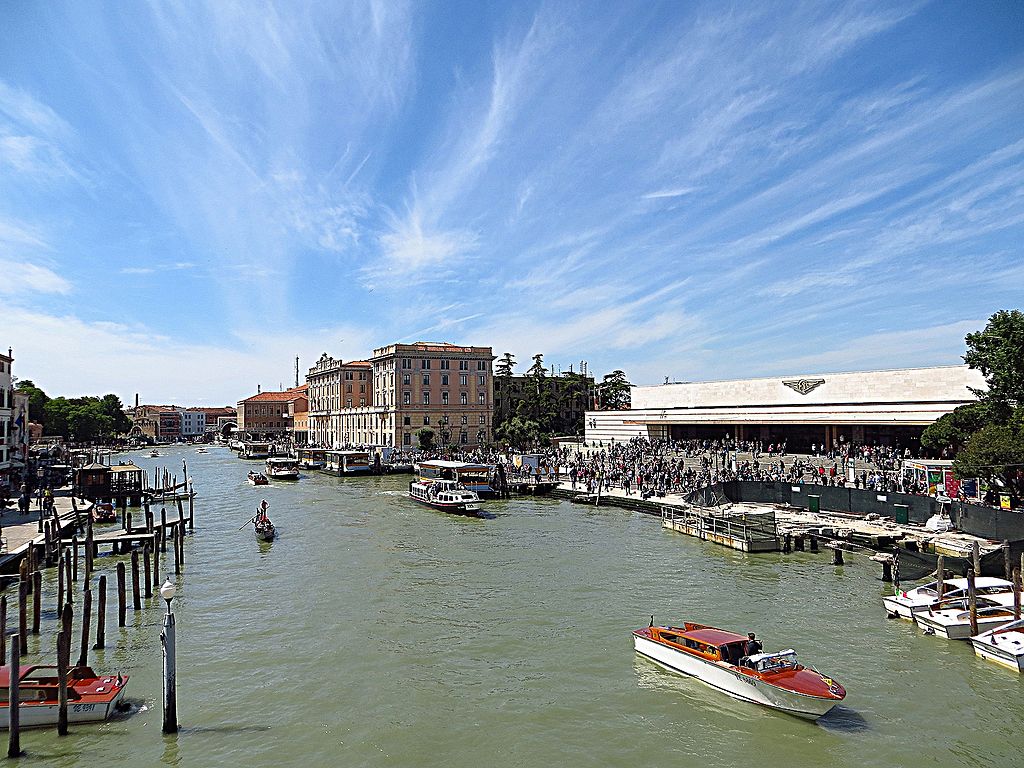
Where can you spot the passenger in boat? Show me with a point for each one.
(750, 647)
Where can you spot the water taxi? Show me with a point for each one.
(154, 454)
(282, 468)
(715, 656)
(473, 477)
(1003, 645)
(951, 619)
(201, 450)
(258, 478)
(908, 602)
(91, 698)
(104, 513)
(446, 495)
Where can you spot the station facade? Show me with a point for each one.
(887, 407)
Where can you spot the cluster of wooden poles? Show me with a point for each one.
(66, 559)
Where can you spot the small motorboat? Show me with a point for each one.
(258, 478)
(201, 450)
(906, 603)
(282, 468)
(951, 619)
(1003, 645)
(715, 656)
(154, 453)
(446, 495)
(91, 698)
(104, 513)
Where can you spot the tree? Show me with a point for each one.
(504, 367)
(37, 400)
(519, 431)
(426, 438)
(987, 437)
(503, 374)
(614, 392)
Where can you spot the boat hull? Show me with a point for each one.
(986, 650)
(736, 684)
(470, 508)
(284, 476)
(958, 630)
(44, 714)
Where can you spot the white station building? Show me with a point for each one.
(890, 407)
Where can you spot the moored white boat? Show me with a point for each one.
(715, 657)
(951, 619)
(446, 495)
(909, 601)
(91, 698)
(1003, 645)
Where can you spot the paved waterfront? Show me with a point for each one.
(376, 632)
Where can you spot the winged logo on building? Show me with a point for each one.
(804, 386)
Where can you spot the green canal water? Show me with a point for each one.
(377, 632)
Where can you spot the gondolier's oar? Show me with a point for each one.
(247, 522)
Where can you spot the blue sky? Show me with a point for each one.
(193, 194)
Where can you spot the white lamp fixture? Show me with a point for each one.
(167, 592)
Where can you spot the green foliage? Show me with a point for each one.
(953, 430)
(37, 400)
(426, 438)
(995, 451)
(519, 431)
(998, 352)
(504, 367)
(614, 392)
(86, 419)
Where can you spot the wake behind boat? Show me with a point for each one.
(445, 495)
(716, 657)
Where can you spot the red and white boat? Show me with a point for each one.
(258, 478)
(715, 656)
(90, 698)
(905, 603)
(446, 495)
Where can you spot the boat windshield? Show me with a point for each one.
(774, 662)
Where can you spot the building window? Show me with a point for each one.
(406, 379)
(483, 379)
(406, 363)
(444, 398)
(407, 420)
(426, 398)
(348, 388)
(463, 365)
(464, 437)
(406, 398)
(444, 379)
(463, 398)
(481, 398)
(362, 401)
(483, 419)
(463, 379)
(348, 402)
(425, 364)
(444, 365)
(465, 420)
(362, 387)
(426, 420)
(406, 439)
(426, 379)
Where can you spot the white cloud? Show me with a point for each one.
(22, 278)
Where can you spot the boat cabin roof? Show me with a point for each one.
(281, 460)
(708, 636)
(444, 464)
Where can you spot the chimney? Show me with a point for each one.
(258, 389)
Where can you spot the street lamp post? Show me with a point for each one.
(167, 592)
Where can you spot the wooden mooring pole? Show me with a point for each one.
(83, 653)
(976, 558)
(63, 662)
(972, 600)
(136, 595)
(146, 570)
(163, 529)
(23, 616)
(837, 555)
(37, 601)
(122, 607)
(1007, 564)
(13, 705)
(940, 577)
(3, 627)
(101, 614)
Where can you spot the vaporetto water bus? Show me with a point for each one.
(472, 477)
(445, 495)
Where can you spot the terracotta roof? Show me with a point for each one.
(263, 397)
(360, 363)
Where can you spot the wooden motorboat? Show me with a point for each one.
(446, 495)
(258, 478)
(282, 468)
(951, 619)
(104, 513)
(906, 603)
(1003, 645)
(715, 656)
(154, 453)
(91, 698)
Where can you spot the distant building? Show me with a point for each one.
(889, 407)
(266, 415)
(193, 423)
(401, 389)
(14, 418)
